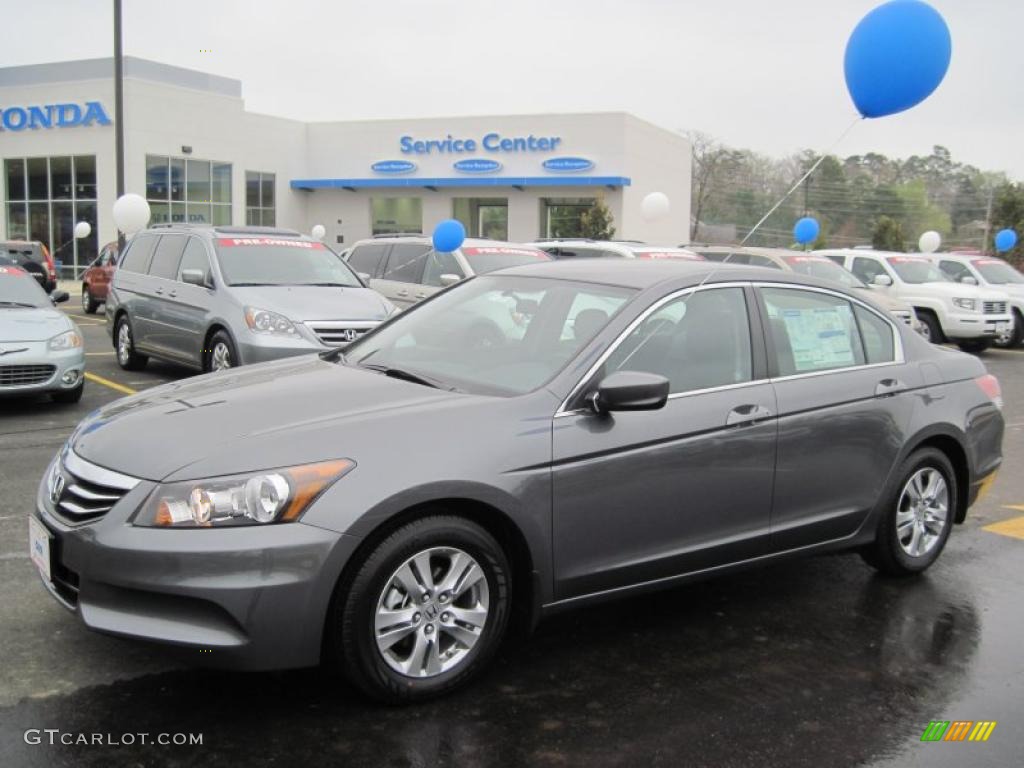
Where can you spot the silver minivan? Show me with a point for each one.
(218, 297)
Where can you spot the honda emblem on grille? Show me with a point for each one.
(350, 334)
(56, 486)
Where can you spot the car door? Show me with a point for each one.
(158, 328)
(647, 495)
(844, 407)
(189, 307)
(131, 282)
(403, 271)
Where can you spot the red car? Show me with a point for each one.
(96, 278)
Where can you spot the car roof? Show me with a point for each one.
(222, 230)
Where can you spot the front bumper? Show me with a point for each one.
(247, 598)
(974, 325)
(256, 348)
(14, 367)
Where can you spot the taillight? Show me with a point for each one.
(50, 266)
(989, 384)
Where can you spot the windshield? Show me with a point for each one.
(914, 270)
(997, 271)
(497, 335)
(823, 268)
(484, 259)
(272, 261)
(18, 287)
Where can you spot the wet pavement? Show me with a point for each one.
(816, 662)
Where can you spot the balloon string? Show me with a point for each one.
(802, 179)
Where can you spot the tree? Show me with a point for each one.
(1008, 213)
(710, 161)
(887, 235)
(596, 222)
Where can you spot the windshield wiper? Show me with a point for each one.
(404, 375)
(250, 285)
(18, 304)
(327, 285)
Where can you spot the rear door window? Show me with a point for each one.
(139, 253)
(878, 336)
(406, 262)
(167, 256)
(811, 331)
(366, 259)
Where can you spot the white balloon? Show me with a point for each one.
(318, 232)
(83, 229)
(929, 242)
(654, 206)
(131, 213)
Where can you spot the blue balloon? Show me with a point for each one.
(806, 230)
(1005, 240)
(896, 57)
(448, 235)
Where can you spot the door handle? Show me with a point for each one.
(421, 295)
(172, 294)
(888, 387)
(746, 414)
(158, 291)
(402, 292)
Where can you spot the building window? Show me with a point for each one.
(46, 197)
(482, 216)
(259, 199)
(182, 190)
(562, 216)
(391, 215)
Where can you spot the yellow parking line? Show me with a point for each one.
(94, 354)
(112, 384)
(1013, 527)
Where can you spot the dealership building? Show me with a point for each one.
(197, 155)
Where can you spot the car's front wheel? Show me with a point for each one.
(425, 611)
(1015, 335)
(917, 516)
(974, 346)
(221, 354)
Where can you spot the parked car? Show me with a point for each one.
(969, 316)
(406, 269)
(992, 273)
(219, 297)
(394, 506)
(34, 258)
(625, 249)
(808, 264)
(96, 278)
(41, 348)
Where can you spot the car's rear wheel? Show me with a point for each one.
(930, 327)
(124, 345)
(221, 353)
(89, 304)
(917, 516)
(425, 611)
(975, 346)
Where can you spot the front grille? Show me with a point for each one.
(81, 491)
(24, 375)
(905, 316)
(995, 307)
(336, 333)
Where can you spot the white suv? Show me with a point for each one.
(970, 317)
(991, 273)
(625, 249)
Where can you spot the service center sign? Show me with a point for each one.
(53, 116)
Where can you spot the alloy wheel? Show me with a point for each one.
(220, 358)
(124, 343)
(923, 512)
(85, 300)
(431, 612)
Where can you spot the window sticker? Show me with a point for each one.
(819, 337)
(269, 241)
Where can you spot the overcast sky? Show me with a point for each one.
(756, 74)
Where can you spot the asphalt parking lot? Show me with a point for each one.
(810, 663)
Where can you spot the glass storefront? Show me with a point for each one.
(183, 190)
(46, 197)
(482, 216)
(562, 216)
(259, 199)
(391, 215)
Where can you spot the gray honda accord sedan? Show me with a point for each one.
(538, 438)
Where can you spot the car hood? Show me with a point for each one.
(1016, 290)
(958, 290)
(300, 303)
(24, 324)
(232, 421)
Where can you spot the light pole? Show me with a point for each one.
(119, 110)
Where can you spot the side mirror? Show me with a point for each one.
(629, 391)
(194, 277)
(883, 280)
(968, 280)
(59, 297)
(449, 279)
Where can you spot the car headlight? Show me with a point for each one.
(968, 304)
(265, 321)
(257, 498)
(68, 340)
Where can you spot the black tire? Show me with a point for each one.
(89, 304)
(1017, 335)
(69, 396)
(931, 329)
(127, 357)
(887, 554)
(352, 644)
(220, 344)
(974, 346)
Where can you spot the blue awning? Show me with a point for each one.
(460, 181)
